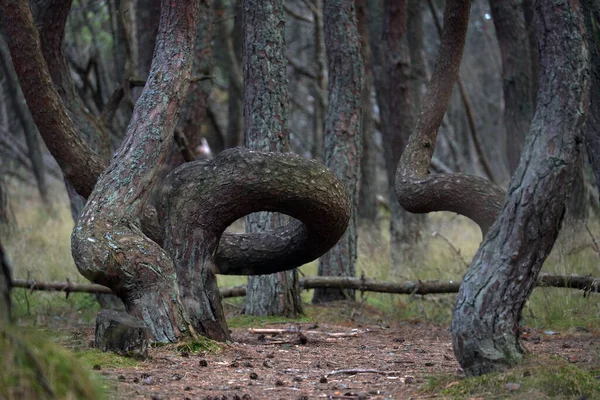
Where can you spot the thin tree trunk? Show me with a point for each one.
(229, 58)
(485, 324)
(367, 197)
(343, 140)
(320, 84)
(29, 129)
(266, 109)
(392, 73)
(518, 83)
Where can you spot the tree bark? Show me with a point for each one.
(485, 325)
(367, 197)
(76, 159)
(201, 199)
(518, 82)
(266, 109)
(392, 73)
(417, 190)
(107, 243)
(51, 17)
(592, 126)
(343, 136)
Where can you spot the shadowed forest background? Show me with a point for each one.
(120, 165)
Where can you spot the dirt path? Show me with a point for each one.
(393, 361)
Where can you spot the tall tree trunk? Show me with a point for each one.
(107, 243)
(414, 34)
(266, 109)
(343, 141)
(235, 109)
(485, 325)
(592, 126)
(392, 73)
(320, 84)
(367, 197)
(518, 82)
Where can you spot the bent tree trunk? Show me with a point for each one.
(343, 139)
(485, 326)
(201, 199)
(107, 243)
(266, 108)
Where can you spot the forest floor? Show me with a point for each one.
(395, 360)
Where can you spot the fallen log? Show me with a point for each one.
(585, 283)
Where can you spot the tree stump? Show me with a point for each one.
(122, 333)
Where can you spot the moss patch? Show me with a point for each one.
(201, 344)
(537, 378)
(92, 358)
(249, 321)
(35, 368)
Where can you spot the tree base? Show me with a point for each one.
(122, 333)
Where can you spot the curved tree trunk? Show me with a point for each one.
(518, 82)
(343, 140)
(485, 325)
(201, 199)
(266, 108)
(417, 190)
(107, 243)
(392, 73)
(78, 162)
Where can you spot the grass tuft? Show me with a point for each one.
(537, 378)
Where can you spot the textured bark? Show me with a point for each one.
(392, 73)
(485, 325)
(343, 136)
(518, 83)
(266, 109)
(5, 286)
(367, 197)
(200, 199)
(29, 129)
(77, 161)
(417, 190)
(592, 126)
(107, 243)
(51, 17)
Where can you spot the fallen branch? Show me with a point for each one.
(354, 371)
(585, 283)
(274, 331)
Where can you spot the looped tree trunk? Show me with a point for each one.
(200, 200)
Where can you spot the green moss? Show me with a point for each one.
(34, 368)
(537, 377)
(201, 344)
(92, 358)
